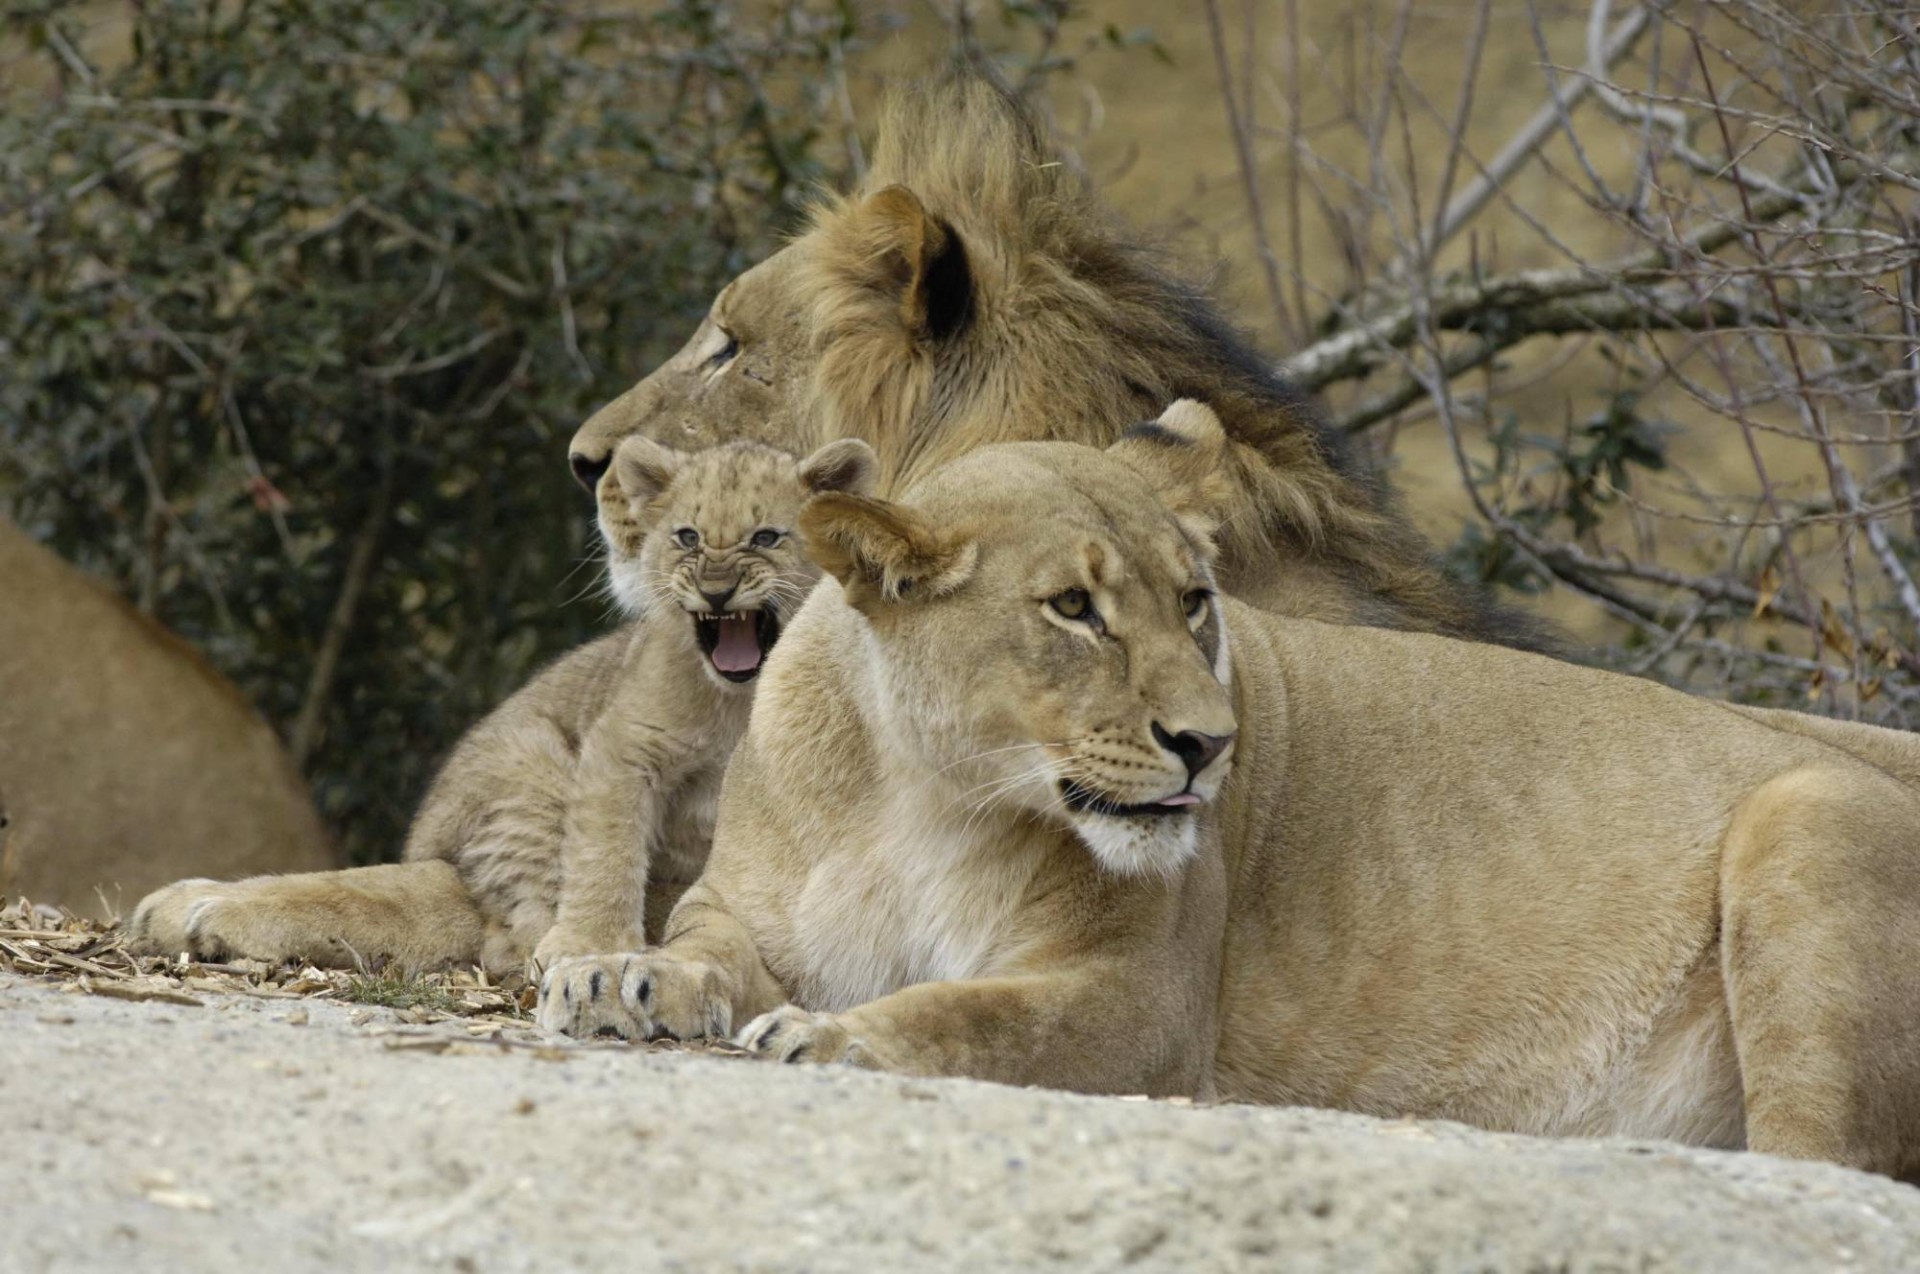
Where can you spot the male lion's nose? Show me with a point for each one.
(587, 470)
(1195, 750)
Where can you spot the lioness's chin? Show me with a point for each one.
(1140, 845)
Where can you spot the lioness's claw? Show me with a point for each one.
(793, 1034)
(633, 996)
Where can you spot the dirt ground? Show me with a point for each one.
(220, 1129)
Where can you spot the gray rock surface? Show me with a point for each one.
(262, 1134)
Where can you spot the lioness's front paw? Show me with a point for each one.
(794, 1034)
(634, 996)
(166, 921)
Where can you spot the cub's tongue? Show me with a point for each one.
(738, 649)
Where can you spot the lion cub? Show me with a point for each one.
(571, 818)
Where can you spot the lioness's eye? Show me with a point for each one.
(1072, 604)
(765, 538)
(1196, 601)
(722, 356)
(687, 538)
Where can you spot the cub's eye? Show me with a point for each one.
(1072, 604)
(687, 538)
(766, 537)
(1195, 602)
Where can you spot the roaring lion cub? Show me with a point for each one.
(571, 818)
(1023, 799)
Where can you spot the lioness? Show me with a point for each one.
(1025, 799)
(127, 760)
(973, 292)
(571, 818)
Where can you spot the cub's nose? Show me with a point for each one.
(1196, 750)
(587, 469)
(717, 602)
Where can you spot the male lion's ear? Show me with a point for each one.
(847, 465)
(1183, 457)
(901, 249)
(882, 552)
(644, 468)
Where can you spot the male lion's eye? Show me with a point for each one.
(1196, 601)
(687, 538)
(765, 538)
(1072, 604)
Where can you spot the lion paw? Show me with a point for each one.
(794, 1034)
(171, 920)
(633, 996)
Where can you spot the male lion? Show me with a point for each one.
(1023, 798)
(572, 817)
(975, 293)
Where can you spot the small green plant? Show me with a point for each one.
(395, 992)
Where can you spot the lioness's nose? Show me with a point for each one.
(587, 470)
(1196, 750)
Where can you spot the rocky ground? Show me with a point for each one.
(211, 1120)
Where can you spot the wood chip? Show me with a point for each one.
(140, 991)
(84, 966)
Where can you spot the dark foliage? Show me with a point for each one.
(304, 300)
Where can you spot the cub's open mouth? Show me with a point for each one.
(1084, 800)
(737, 643)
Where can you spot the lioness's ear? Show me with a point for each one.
(847, 465)
(882, 552)
(899, 248)
(644, 468)
(1182, 456)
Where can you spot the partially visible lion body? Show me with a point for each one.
(974, 292)
(125, 760)
(570, 819)
(1442, 879)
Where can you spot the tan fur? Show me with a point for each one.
(974, 292)
(126, 760)
(572, 817)
(1430, 878)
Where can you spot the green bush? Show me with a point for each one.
(304, 299)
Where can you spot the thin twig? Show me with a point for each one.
(305, 732)
(1249, 179)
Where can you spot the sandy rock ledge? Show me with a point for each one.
(247, 1134)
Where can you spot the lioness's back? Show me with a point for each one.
(126, 760)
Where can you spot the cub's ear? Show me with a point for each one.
(848, 465)
(891, 244)
(644, 468)
(1183, 457)
(882, 552)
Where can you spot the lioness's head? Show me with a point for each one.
(1045, 630)
(712, 534)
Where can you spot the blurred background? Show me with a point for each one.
(303, 300)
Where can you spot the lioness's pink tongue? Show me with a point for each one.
(738, 649)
